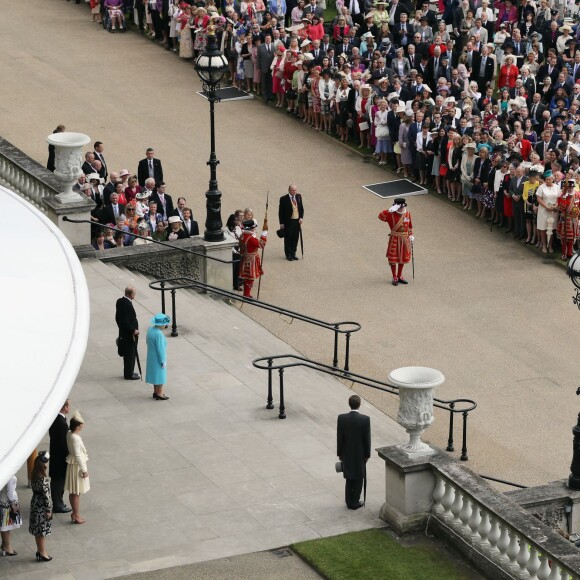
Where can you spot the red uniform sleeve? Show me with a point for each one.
(384, 215)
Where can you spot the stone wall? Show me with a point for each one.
(169, 262)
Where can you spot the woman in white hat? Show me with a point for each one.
(467, 168)
(77, 474)
(176, 232)
(156, 371)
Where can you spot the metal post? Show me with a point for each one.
(574, 478)
(269, 404)
(450, 440)
(163, 297)
(347, 352)
(335, 359)
(173, 316)
(464, 456)
(213, 221)
(282, 414)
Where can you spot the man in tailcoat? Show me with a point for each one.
(58, 455)
(149, 167)
(353, 447)
(266, 53)
(126, 319)
(290, 216)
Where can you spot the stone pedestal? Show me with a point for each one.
(409, 490)
(77, 234)
(216, 273)
(68, 162)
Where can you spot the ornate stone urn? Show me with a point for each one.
(68, 162)
(416, 386)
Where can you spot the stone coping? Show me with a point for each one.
(541, 494)
(497, 503)
(29, 165)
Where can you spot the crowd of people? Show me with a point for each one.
(465, 97)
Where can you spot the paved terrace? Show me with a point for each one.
(209, 473)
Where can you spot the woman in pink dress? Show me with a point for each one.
(277, 68)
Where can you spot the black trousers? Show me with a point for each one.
(292, 233)
(140, 15)
(267, 84)
(519, 219)
(129, 359)
(57, 491)
(157, 24)
(352, 491)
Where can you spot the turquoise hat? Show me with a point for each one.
(160, 320)
(548, 174)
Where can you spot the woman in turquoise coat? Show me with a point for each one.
(156, 372)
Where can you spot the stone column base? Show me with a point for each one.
(409, 490)
(77, 234)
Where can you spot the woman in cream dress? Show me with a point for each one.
(77, 476)
(547, 196)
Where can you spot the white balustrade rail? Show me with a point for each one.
(489, 531)
(25, 177)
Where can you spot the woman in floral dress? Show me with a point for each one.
(40, 506)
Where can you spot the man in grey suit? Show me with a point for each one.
(265, 57)
(516, 192)
(353, 447)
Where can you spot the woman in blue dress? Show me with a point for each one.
(156, 372)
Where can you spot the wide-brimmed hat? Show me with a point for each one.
(78, 417)
(443, 88)
(160, 320)
(142, 195)
(305, 43)
(370, 14)
(174, 219)
(471, 145)
(427, 89)
(95, 177)
(143, 226)
(124, 172)
(565, 28)
(308, 57)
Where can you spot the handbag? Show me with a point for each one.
(364, 126)
(443, 169)
(381, 131)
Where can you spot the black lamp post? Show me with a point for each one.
(574, 479)
(211, 66)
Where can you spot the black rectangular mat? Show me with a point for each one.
(229, 94)
(396, 188)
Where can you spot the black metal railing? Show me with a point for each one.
(462, 406)
(503, 481)
(151, 240)
(174, 284)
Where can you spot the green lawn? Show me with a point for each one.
(372, 554)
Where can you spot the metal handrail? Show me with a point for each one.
(519, 485)
(346, 327)
(160, 243)
(452, 406)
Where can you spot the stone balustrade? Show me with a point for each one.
(25, 176)
(441, 495)
(521, 551)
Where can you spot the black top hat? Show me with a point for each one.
(250, 224)
(400, 201)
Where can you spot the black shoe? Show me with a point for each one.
(133, 377)
(295, 257)
(357, 506)
(64, 509)
(402, 281)
(41, 558)
(160, 397)
(290, 258)
(395, 282)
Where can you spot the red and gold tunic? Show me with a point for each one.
(569, 207)
(399, 248)
(250, 266)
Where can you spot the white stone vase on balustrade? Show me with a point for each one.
(416, 387)
(68, 162)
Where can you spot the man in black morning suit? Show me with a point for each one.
(126, 320)
(149, 167)
(353, 447)
(290, 216)
(58, 454)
